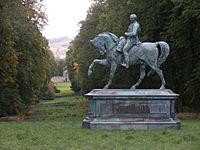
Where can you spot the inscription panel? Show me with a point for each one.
(131, 107)
(106, 108)
(158, 108)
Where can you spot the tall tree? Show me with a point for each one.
(9, 94)
(184, 32)
(25, 60)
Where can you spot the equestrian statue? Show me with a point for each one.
(128, 50)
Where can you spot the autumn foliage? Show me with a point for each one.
(26, 64)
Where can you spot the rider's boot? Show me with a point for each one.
(119, 49)
(126, 61)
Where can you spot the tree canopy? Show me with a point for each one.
(175, 21)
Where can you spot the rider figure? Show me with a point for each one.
(130, 39)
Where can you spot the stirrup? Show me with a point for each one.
(119, 50)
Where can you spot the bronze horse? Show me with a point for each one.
(146, 53)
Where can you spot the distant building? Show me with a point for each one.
(65, 75)
(57, 79)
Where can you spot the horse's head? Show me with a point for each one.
(99, 43)
(104, 41)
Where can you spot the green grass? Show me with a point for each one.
(57, 126)
(64, 88)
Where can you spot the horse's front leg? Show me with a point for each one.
(96, 61)
(112, 72)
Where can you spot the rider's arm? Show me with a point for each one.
(134, 31)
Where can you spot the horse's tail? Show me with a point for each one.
(164, 52)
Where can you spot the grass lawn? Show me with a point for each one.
(64, 88)
(57, 126)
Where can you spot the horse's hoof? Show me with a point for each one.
(162, 87)
(89, 72)
(133, 87)
(106, 87)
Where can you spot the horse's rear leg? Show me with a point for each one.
(142, 75)
(160, 74)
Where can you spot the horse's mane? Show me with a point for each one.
(109, 39)
(109, 35)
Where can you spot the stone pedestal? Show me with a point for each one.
(131, 109)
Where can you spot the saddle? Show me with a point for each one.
(122, 41)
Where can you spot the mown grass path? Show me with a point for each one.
(64, 88)
(57, 126)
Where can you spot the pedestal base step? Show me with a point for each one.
(131, 123)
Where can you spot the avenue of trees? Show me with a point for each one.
(26, 63)
(175, 21)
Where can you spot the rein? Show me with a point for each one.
(111, 48)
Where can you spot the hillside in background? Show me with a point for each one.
(59, 46)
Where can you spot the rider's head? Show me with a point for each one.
(133, 17)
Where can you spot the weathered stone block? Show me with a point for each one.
(131, 109)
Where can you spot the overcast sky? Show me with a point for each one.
(64, 16)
